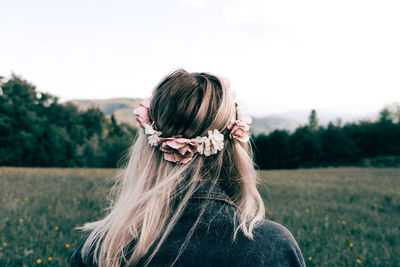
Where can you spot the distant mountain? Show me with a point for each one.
(122, 109)
(270, 123)
(326, 115)
(108, 106)
(290, 120)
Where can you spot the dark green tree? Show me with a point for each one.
(273, 150)
(305, 147)
(337, 148)
(36, 130)
(313, 121)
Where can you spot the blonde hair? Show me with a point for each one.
(153, 192)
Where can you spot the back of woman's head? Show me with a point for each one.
(190, 104)
(153, 191)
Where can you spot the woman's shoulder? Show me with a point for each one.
(275, 245)
(273, 231)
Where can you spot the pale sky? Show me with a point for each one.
(278, 55)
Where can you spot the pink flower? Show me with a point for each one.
(178, 149)
(245, 119)
(142, 112)
(240, 129)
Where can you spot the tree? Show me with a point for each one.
(391, 112)
(36, 130)
(305, 147)
(385, 116)
(337, 148)
(273, 151)
(313, 121)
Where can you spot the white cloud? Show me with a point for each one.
(244, 12)
(194, 3)
(340, 54)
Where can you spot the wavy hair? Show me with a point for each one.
(152, 192)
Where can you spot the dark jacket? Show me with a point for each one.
(211, 243)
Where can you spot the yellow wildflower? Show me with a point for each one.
(56, 228)
(351, 245)
(67, 245)
(307, 210)
(358, 261)
(26, 198)
(50, 258)
(21, 220)
(5, 244)
(309, 258)
(326, 218)
(38, 261)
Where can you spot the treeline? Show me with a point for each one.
(365, 143)
(37, 130)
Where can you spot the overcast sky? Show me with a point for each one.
(279, 55)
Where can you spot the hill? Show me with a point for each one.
(122, 109)
(108, 106)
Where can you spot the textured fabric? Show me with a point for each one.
(211, 243)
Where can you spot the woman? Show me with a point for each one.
(188, 195)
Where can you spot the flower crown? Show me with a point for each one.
(181, 150)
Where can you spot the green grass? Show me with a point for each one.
(325, 209)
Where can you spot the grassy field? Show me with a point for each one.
(339, 216)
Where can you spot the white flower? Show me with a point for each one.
(211, 144)
(148, 129)
(153, 139)
(153, 135)
(201, 141)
